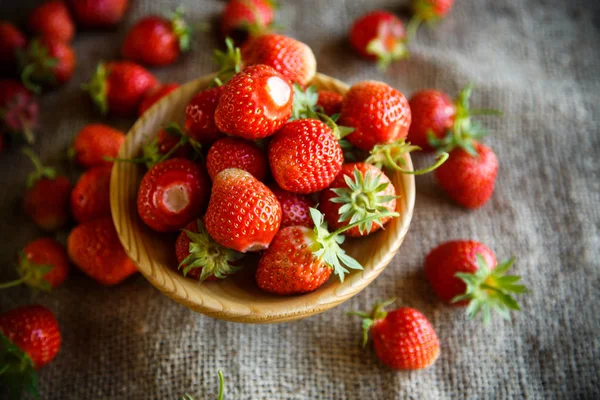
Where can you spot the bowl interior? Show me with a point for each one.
(237, 298)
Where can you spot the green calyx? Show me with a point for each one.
(378, 313)
(386, 56)
(41, 172)
(211, 257)
(391, 156)
(30, 274)
(491, 290)
(97, 88)
(37, 67)
(229, 62)
(17, 371)
(182, 30)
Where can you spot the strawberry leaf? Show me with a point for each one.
(97, 88)
(17, 371)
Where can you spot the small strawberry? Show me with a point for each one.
(465, 272)
(236, 153)
(243, 214)
(403, 338)
(118, 87)
(305, 156)
(52, 20)
(19, 110)
(94, 143)
(200, 116)
(11, 40)
(154, 95)
(433, 112)
(255, 103)
(244, 18)
(29, 338)
(379, 113)
(295, 208)
(291, 58)
(46, 63)
(172, 193)
(331, 102)
(90, 198)
(46, 199)
(43, 264)
(379, 35)
(156, 40)
(428, 11)
(200, 257)
(98, 13)
(95, 249)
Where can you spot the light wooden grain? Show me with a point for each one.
(238, 298)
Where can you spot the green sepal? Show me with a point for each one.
(384, 56)
(17, 371)
(229, 61)
(41, 172)
(37, 67)
(391, 156)
(378, 313)
(33, 274)
(182, 29)
(97, 88)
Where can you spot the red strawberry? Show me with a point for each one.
(46, 199)
(431, 10)
(118, 87)
(255, 103)
(432, 112)
(403, 338)
(52, 20)
(379, 35)
(379, 113)
(360, 190)
(46, 63)
(90, 198)
(465, 272)
(172, 193)
(200, 257)
(155, 40)
(11, 40)
(19, 110)
(295, 208)
(305, 156)
(94, 143)
(243, 214)
(236, 153)
(98, 13)
(95, 249)
(293, 59)
(154, 95)
(200, 116)
(242, 18)
(331, 102)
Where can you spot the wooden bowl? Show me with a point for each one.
(237, 298)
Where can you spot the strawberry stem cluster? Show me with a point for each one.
(182, 30)
(36, 66)
(97, 88)
(230, 62)
(41, 172)
(31, 274)
(378, 313)
(391, 156)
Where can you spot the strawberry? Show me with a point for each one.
(294, 207)
(200, 116)
(291, 58)
(46, 199)
(118, 87)
(98, 13)
(11, 40)
(19, 110)
(379, 35)
(94, 143)
(403, 338)
(431, 10)
(95, 249)
(46, 63)
(255, 103)
(360, 190)
(305, 156)
(90, 198)
(156, 40)
(331, 102)
(172, 193)
(200, 257)
(52, 20)
(154, 95)
(243, 214)
(433, 112)
(379, 113)
(465, 272)
(171, 142)
(236, 153)
(243, 18)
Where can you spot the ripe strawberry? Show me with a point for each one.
(236, 153)
(11, 40)
(200, 257)
(243, 214)
(46, 63)
(331, 102)
(433, 112)
(118, 87)
(95, 249)
(156, 40)
(379, 113)
(379, 35)
(431, 10)
(305, 156)
(403, 338)
(172, 193)
(255, 103)
(52, 20)
(465, 272)
(360, 190)
(94, 143)
(90, 198)
(200, 116)
(243, 18)
(98, 13)
(154, 95)
(291, 58)
(46, 199)
(19, 110)
(295, 208)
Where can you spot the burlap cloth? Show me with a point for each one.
(536, 60)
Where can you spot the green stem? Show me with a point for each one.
(489, 287)
(39, 167)
(221, 385)
(441, 158)
(16, 282)
(411, 28)
(486, 111)
(366, 219)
